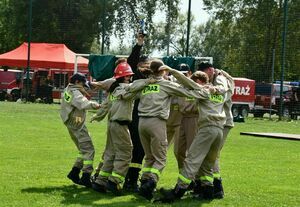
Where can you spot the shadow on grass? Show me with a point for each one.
(187, 200)
(73, 194)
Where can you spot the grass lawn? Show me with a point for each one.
(37, 153)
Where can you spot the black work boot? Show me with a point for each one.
(197, 188)
(74, 175)
(191, 186)
(85, 180)
(147, 188)
(218, 189)
(131, 180)
(101, 188)
(206, 193)
(115, 188)
(131, 186)
(94, 177)
(169, 196)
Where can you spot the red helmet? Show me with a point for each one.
(122, 70)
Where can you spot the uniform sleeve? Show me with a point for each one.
(221, 85)
(230, 81)
(200, 94)
(137, 85)
(130, 92)
(175, 89)
(103, 111)
(130, 95)
(105, 85)
(81, 102)
(185, 81)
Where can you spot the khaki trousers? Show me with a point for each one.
(216, 168)
(182, 143)
(173, 124)
(153, 136)
(117, 154)
(84, 144)
(202, 153)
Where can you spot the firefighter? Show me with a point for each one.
(118, 150)
(215, 76)
(204, 149)
(73, 113)
(175, 116)
(140, 66)
(174, 121)
(188, 109)
(153, 111)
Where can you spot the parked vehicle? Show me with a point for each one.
(243, 98)
(267, 99)
(10, 84)
(44, 84)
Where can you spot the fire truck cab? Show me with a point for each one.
(10, 84)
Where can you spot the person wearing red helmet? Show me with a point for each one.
(118, 150)
(139, 65)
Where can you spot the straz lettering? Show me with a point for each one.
(152, 88)
(112, 98)
(67, 97)
(242, 90)
(216, 98)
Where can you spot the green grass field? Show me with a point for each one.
(37, 153)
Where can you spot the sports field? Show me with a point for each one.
(37, 153)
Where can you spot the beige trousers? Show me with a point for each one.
(153, 136)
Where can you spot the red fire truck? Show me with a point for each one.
(262, 98)
(10, 84)
(44, 84)
(243, 98)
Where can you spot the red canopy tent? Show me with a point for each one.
(43, 55)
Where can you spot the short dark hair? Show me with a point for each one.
(204, 65)
(78, 77)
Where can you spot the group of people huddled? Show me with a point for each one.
(148, 107)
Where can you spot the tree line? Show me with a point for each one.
(241, 35)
